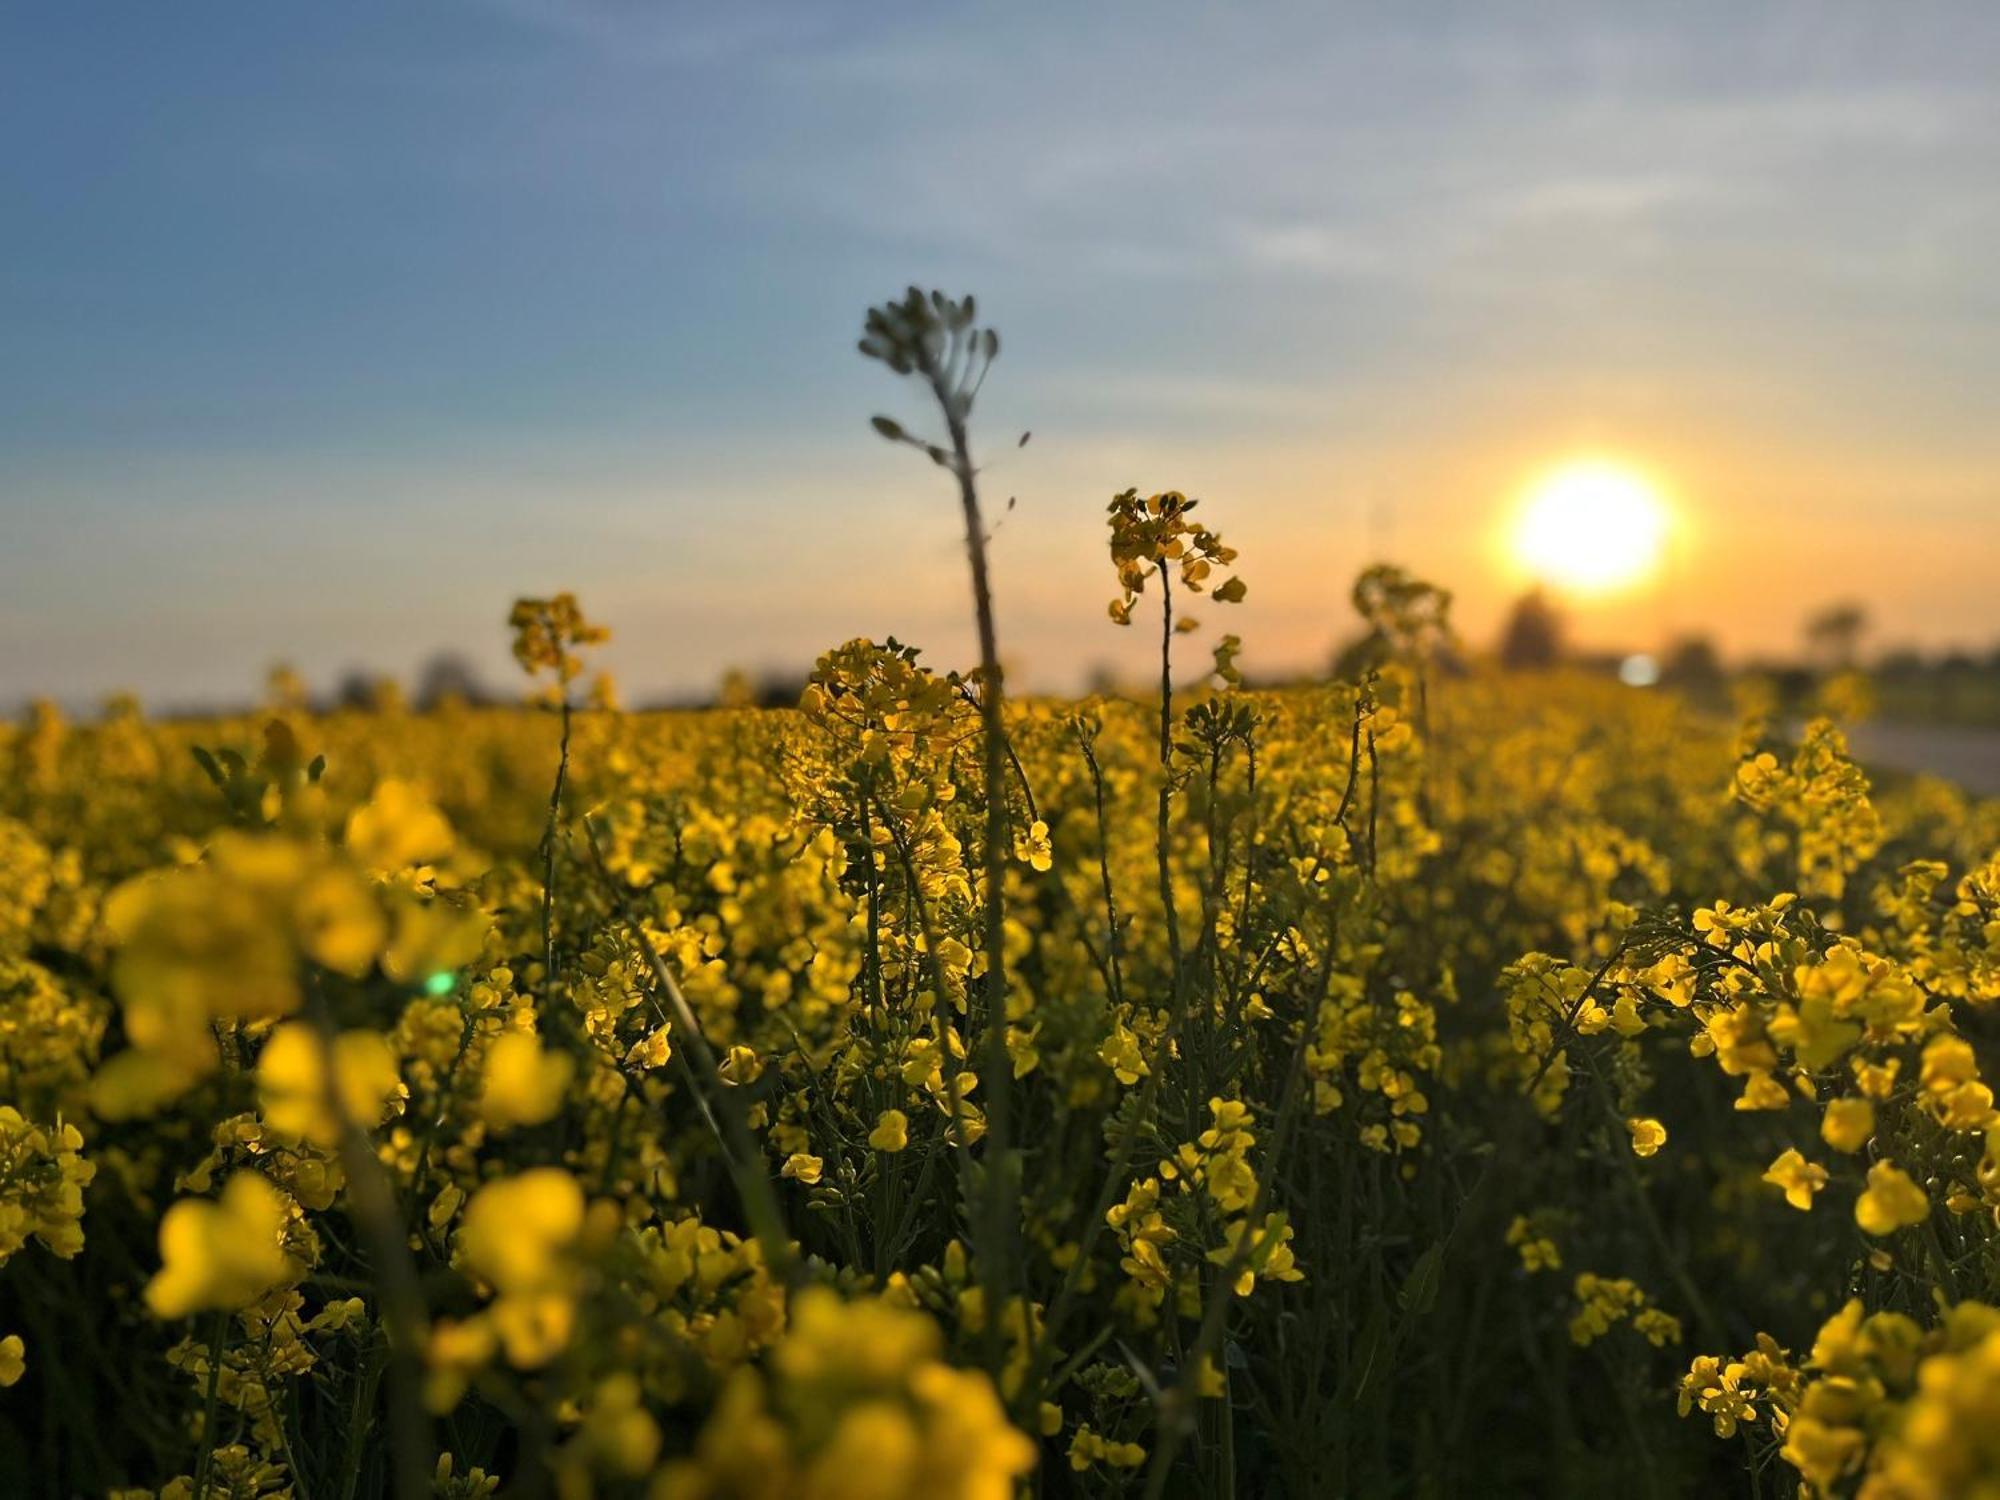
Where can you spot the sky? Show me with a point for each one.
(325, 331)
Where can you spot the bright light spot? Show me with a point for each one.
(1639, 670)
(1591, 527)
(440, 983)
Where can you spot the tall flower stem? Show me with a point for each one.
(371, 1199)
(218, 1328)
(934, 338)
(549, 836)
(995, 1080)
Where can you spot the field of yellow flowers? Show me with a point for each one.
(1426, 1084)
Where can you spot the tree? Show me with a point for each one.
(1692, 664)
(449, 677)
(1834, 634)
(1532, 639)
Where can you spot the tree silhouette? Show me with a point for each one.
(1834, 634)
(1532, 639)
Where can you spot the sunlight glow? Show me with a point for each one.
(1591, 527)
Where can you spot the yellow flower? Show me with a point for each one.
(398, 827)
(41, 1185)
(225, 1254)
(517, 1235)
(1538, 1251)
(433, 937)
(618, 1432)
(339, 921)
(1088, 1449)
(1798, 1178)
(515, 1228)
(1602, 1302)
(1821, 1451)
(1762, 1091)
(1658, 1328)
(454, 1352)
(1150, 534)
(13, 1359)
(1876, 1080)
(447, 1203)
(1647, 1136)
(873, 1454)
(1944, 1444)
(802, 1167)
(891, 1132)
(211, 941)
(1948, 1062)
(547, 630)
(1034, 846)
(856, 1404)
(291, 1082)
(1891, 1202)
(1848, 1124)
(524, 1085)
(741, 1065)
(1817, 1032)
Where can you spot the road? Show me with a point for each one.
(1968, 756)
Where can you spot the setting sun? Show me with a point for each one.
(1591, 527)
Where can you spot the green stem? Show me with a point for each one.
(705, 1081)
(998, 1214)
(1177, 1404)
(371, 1202)
(549, 855)
(366, 1381)
(218, 1329)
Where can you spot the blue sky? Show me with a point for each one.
(329, 329)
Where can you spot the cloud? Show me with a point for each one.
(1316, 249)
(1603, 199)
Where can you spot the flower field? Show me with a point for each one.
(1427, 1083)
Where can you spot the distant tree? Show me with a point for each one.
(356, 689)
(1903, 664)
(1102, 681)
(449, 677)
(780, 690)
(368, 692)
(1358, 655)
(1692, 665)
(1532, 638)
(1833, 635)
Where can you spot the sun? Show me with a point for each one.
(1591, 527)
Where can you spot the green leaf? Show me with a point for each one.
(1367, 1351)
(1420, 1287)
(208, 765)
